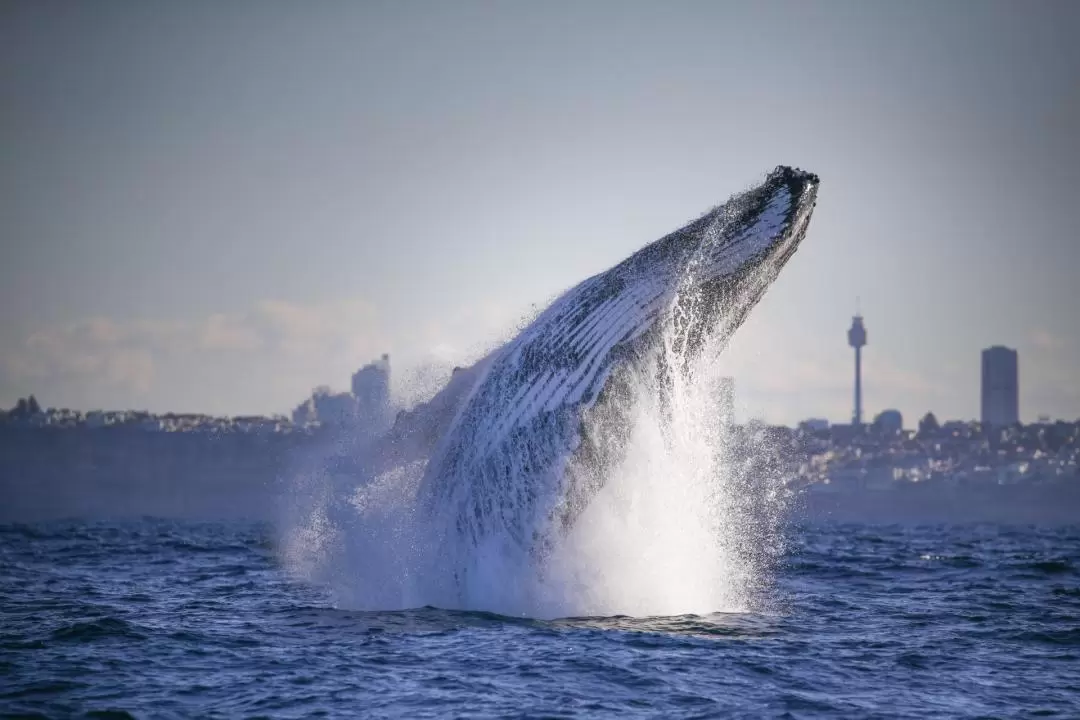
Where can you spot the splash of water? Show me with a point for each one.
(677, 526)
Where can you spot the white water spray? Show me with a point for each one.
(677, 526)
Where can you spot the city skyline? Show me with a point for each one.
(202, 217)
(370, 388)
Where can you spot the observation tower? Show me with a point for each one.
(856, 337)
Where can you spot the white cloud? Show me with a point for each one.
(1045, 340)
(131, 367)
(222, 332)
(265, 358)
(97, 351)
(150, 359)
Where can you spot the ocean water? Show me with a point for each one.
(155, 618)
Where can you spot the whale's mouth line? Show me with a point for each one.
(800, 224)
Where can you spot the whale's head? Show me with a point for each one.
(759, 230)
(728, 257)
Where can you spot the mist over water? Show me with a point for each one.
(675, 523)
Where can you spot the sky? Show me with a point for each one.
(215, 207)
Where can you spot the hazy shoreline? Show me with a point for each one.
(118, 473)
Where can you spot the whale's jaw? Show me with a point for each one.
(511, 459)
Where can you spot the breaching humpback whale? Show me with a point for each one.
(514, 455)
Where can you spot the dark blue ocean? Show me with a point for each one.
(163, 619)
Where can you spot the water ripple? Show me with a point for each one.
(163, 619)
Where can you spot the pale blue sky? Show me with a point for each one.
(216, 206)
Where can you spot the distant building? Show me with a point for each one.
(371, 388)
(1000, 386)
(929, 425)
(955, 426)
(366, 409)
(727, 402)
(889, 422)
(814, 424)
(844, 434)
(304, 412)
(326, 408)
(26, 408)
(330, 409)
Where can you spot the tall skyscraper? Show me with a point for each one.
(856, 337)
(1000, 386)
